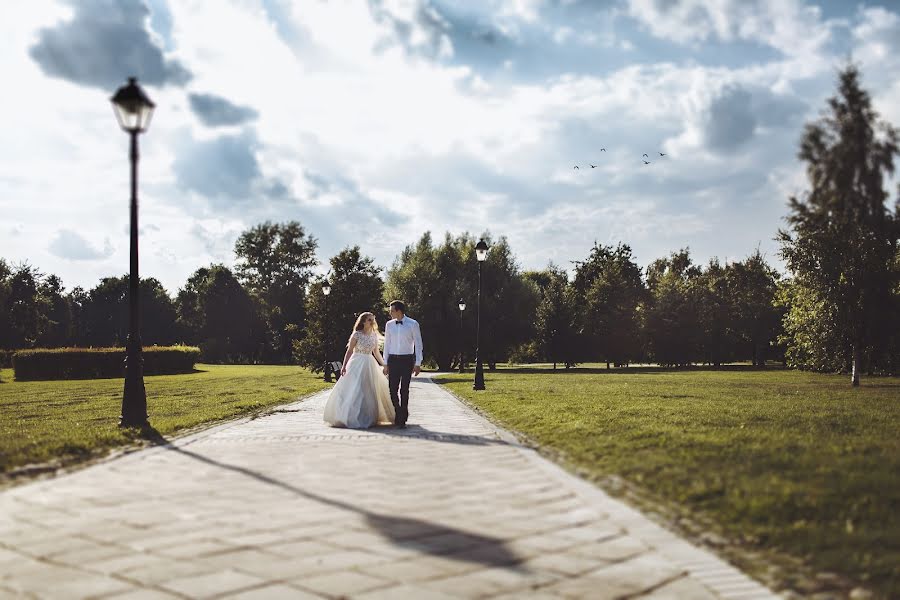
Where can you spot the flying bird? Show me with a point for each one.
(645, 155)
(593, 166)
(646, 162)
(661, 154)
(576, 166)
(602, 149)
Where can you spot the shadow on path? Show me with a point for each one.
(414, 534)
(418, 432)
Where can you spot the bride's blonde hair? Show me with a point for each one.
(361, 323)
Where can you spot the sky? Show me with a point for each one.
(371, 122)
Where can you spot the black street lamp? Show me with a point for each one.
(133, 110)
(481, 250)
(326, 290)
(462, 307)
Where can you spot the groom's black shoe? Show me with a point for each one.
(401, 426)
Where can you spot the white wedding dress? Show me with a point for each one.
(360, 398)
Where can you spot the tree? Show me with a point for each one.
(104, 313)
(431, 280)
(715, 313)
(275, 264)
(216, 313)
(752, 286)
(25, 308)
(608, 289)
(555, 317)
(671, 317)
(59, 326)
(842, 237)
(356, 287)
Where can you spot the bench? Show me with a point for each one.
(335, 367)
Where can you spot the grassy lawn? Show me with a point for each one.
(73, 420)
(775, 461)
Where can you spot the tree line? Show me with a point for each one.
(837, 310)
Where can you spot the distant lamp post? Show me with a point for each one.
(462, 308)
(326, 291)
(133, 110)
(481, 250)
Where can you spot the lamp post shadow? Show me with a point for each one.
(415, 534)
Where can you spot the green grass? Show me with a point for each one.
(777, 461)
(67, 421)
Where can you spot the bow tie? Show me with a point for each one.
(400, 322)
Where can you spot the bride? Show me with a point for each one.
(361, 398)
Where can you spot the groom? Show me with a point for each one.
(402, 358)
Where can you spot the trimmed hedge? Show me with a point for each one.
(99, 363)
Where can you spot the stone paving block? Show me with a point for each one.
(212, 584)
(302, 549)
(277, 591)
(142, 594)
(564, 563)
(626, 578)
(46, 580)
(155, 570)
(118, 563)
(408, 592)
(680, 589)
(494, 581)
(345, 583)
(194, 549)
(614, 549)
(406, 571)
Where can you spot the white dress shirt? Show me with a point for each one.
(403, 338)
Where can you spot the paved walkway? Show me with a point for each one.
(284, 507)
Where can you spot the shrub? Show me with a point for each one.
(98, 363)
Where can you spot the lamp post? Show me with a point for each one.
(133, 110)
(326, 290)
(481, 250)
(462, 308)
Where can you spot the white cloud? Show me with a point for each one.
(369, 134)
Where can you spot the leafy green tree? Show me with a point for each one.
(59, 325)
(105, 313)
(5, 323)
(715, 313)
(275, 263)
(356, 287)
(671, 317)
(608, 289)
(756, 320)
(25, 307)
(843, 238)
(555, 317)
(216, 313)
(431, 279)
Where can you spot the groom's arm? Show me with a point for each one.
(417, 332)
(387, 337)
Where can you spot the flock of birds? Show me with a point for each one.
(644, 159)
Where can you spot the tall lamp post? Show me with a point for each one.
(481, 250)
(462, 308)
(133, 110)
(326, 290)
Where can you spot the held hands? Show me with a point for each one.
(385, 369)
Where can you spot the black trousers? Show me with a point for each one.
(400, 368)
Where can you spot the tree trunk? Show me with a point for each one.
(607, 365)
(854, 377)
(554, 365)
